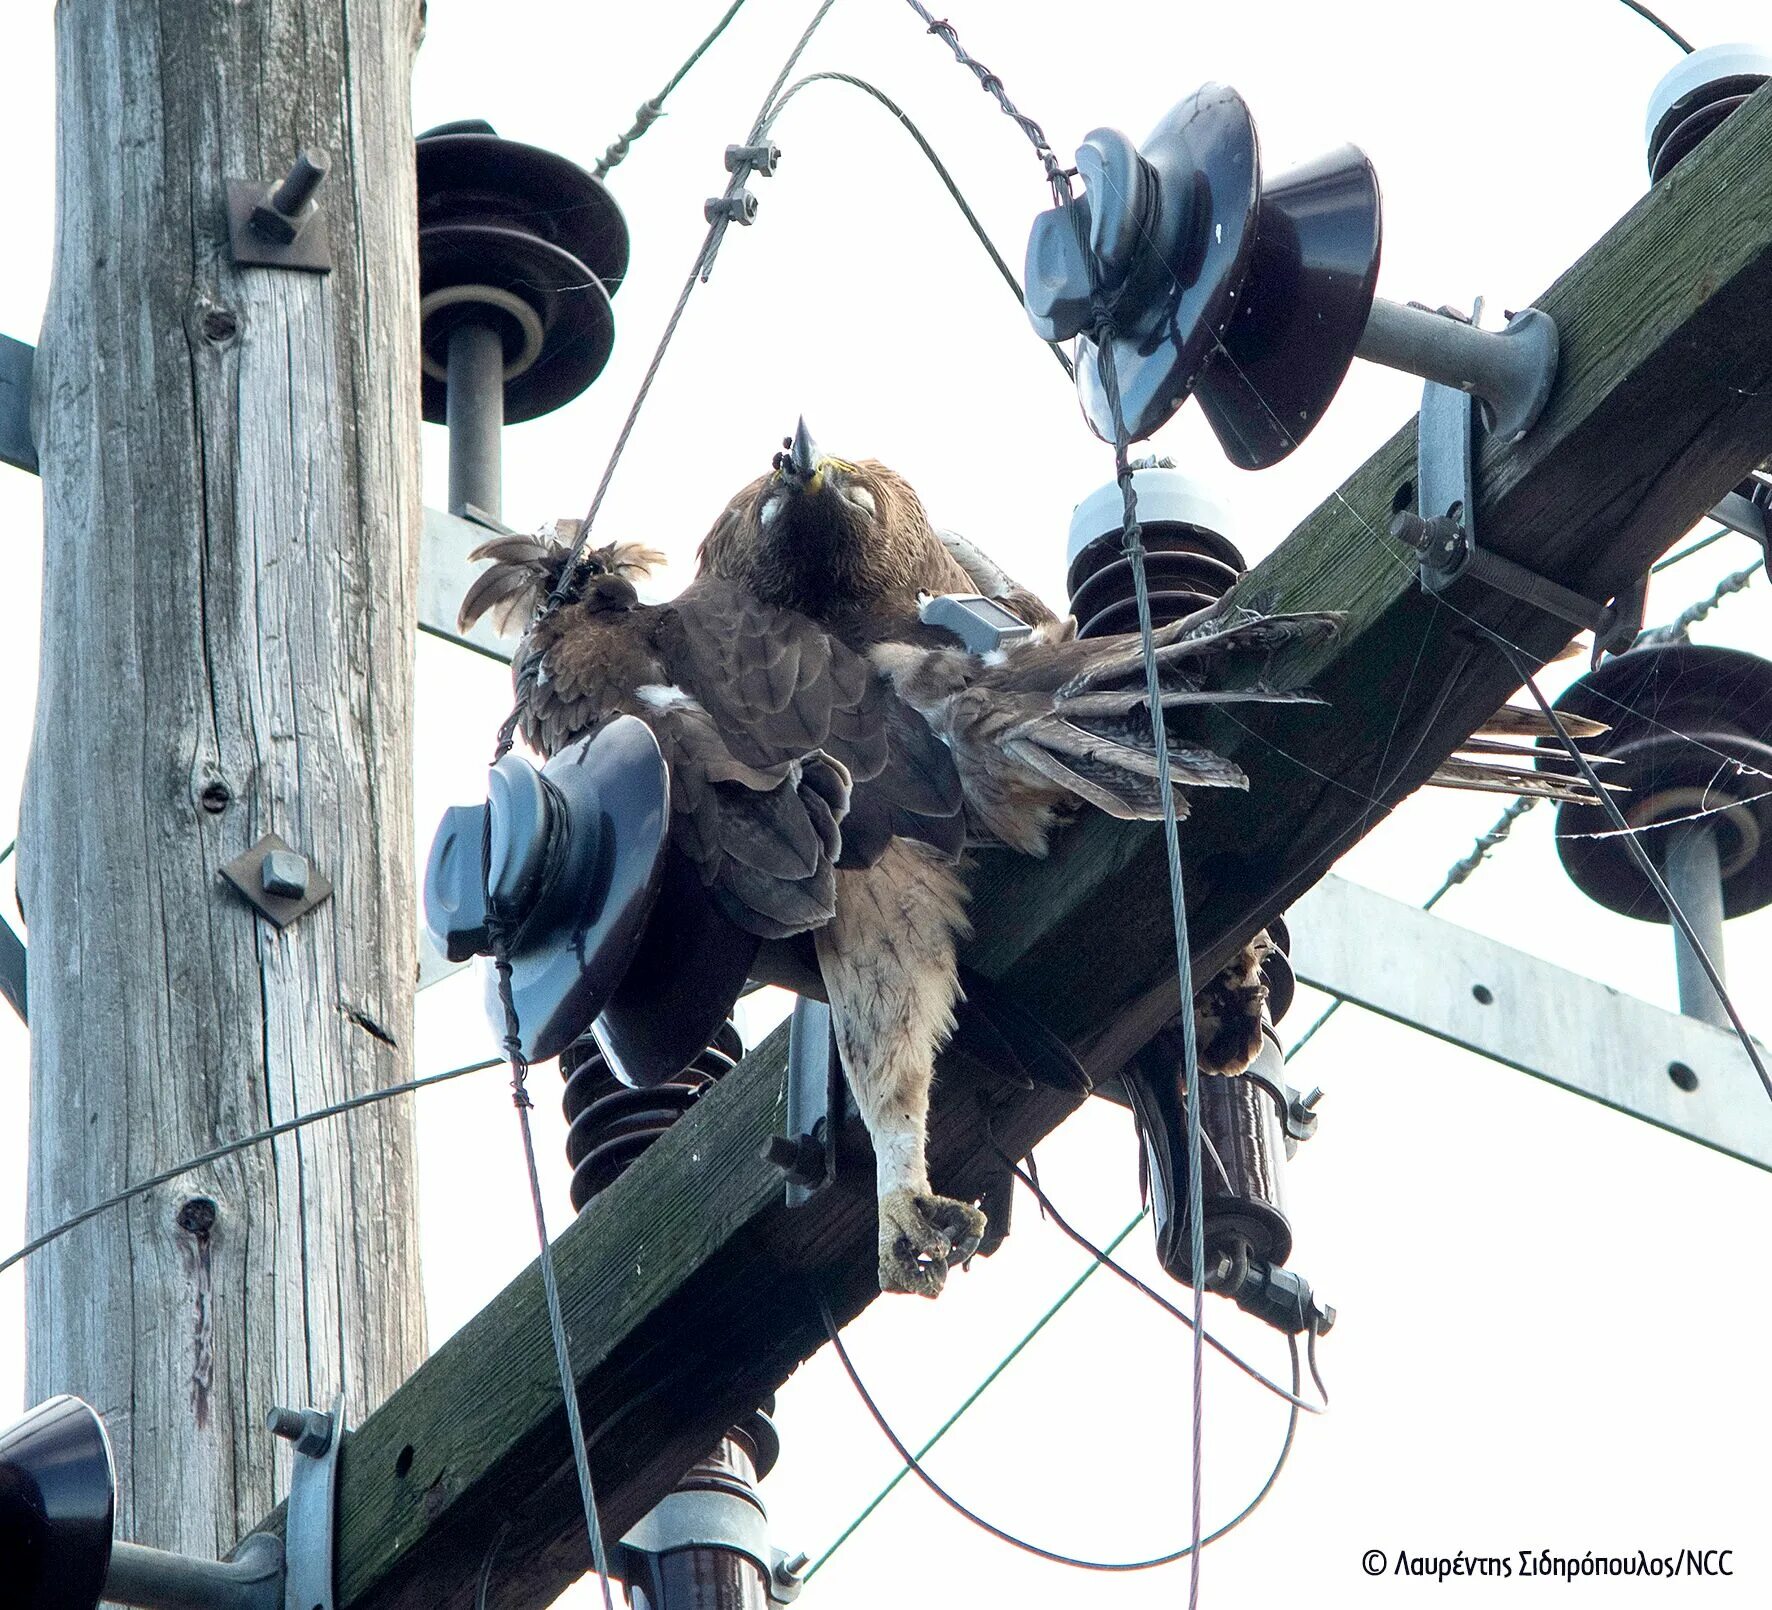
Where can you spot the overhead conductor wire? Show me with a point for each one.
(216, 1153)
(652, 109)
(1133, 546)
(513, 1043)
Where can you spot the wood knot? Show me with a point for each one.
(196, 1216)
(216, 797)
(219, 325)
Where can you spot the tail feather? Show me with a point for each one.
(1191, 648)
(1513, 721)
(1495, 779)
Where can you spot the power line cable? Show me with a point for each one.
(1681, 624)
(698, 273)
(652, 110)
(941, 171)
(1649, 17)
(256, 1138)
(1102, 1256)
(1057, 176)
(1699, 546)
(1187, 1551)
(1133, 547)
(947, 1425)
(513, 1046)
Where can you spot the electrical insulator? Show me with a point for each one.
(1689, 744)
(1250, 1123)
(519, 251)
(1694, 97)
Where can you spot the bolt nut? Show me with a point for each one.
(799, 1157)
(759, 159)
(739, 209)
(284, 875)
(309, 1429)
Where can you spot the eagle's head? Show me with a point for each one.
(820, 534)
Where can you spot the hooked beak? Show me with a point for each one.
(803, 456)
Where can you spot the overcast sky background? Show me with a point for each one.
(1552, 1317)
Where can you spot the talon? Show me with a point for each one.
(921, 1237)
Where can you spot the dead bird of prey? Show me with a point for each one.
(817, 789)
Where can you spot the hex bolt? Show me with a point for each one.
(284, 874)
(305, 176)
(286, 209)
(309, 1429)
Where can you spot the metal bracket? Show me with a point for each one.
(1747, 510)
(1443, 530)
(14, 970)
(701, 1519)
(310, 1533)
(279, 883)
(281, 225)
(807, 1153)
(17, 361)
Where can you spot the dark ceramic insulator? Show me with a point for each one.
(524, 241)
(573, 856)
(1690, 732)
(57, 1505)
(1251, 295)
(1696, 96)
(611, 1123)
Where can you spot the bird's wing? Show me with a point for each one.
(776, 685)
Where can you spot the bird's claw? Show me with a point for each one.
(921, 1236)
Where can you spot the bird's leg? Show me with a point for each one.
(888, 964)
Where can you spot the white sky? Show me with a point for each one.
(1551, 1315)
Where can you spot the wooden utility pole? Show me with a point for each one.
(231, 508)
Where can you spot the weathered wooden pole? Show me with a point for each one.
(231, 508)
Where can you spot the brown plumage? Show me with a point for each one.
(851, 545)
(824, 790)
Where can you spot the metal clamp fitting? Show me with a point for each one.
(310, 1533)
(759, 159)
(739, 209)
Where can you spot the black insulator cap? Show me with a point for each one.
(523, 240)
(1252, 297)
(1691, 736)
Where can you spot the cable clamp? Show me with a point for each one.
(1442, 530)
(310, 1536)
(758, 159)
(739, 209)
